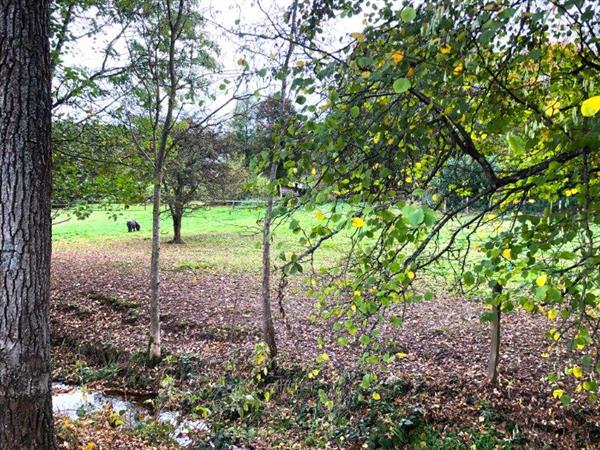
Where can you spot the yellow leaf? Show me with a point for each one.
(458, 69)
(377, 138)
(445, 49)
(506, 253)
(115, 420)
(410, 274)
(241, 61)
(570, 192)
(577, 372)
(358, 36)
(591, 106)
(552, 108)
(552, 314)
(262, 357)
(556, 336)
(401, 355)
(319, 215)
(435, 198)
(397, 56)
(541, 280)
(358, 222)
(411, 72)
(376, 396)
(325, 357)
(313, 171)
(557, 393)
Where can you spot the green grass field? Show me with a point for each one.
(217, 238)
(110, 223)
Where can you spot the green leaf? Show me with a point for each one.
(416, 217)
(364, 340)
(341, 341)
(565, 399)
(469, 279)
(540, 293)
(408, 14)
(396, 321)
(515, 142)
(553, 294)
(355, 111)
(401, 85)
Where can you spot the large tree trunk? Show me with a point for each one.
(25, 226)
(154, 347)
(495, 339)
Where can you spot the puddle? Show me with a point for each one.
(74, 402)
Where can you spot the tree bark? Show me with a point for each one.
(495, 339)
(154, 353)
(268, 330)
(177, 216)
(25, 226)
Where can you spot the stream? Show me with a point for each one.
(75, 401)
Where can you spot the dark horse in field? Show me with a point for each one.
(132, 225)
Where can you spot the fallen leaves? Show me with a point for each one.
(441, 347)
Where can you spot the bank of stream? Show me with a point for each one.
(76, 401)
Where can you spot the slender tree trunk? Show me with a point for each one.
(154, 353)
(495, 339)
(25, 226)
(160, 154)
(268, 331)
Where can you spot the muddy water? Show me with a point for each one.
(75, 401)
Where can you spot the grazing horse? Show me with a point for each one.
(132, 225)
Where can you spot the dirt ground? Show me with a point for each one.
(99, 307)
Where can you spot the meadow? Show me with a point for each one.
(223, 237)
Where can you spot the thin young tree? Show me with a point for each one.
(167, 56)
(25, 163)
(268, 331)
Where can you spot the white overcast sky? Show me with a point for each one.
(221, 15)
